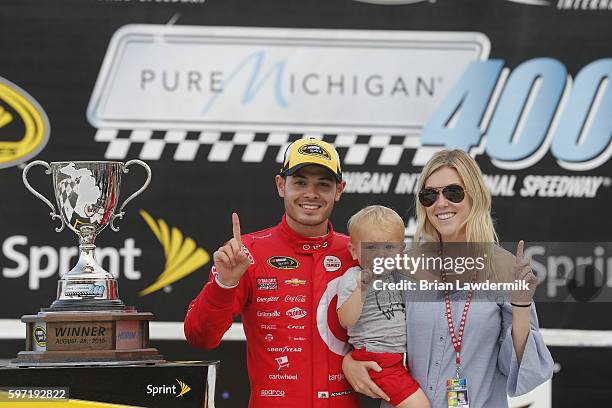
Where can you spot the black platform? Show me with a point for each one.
(130, 385)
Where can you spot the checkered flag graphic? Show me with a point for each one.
(218, 146)
(68, 196)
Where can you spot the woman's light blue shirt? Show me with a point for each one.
(488, 358)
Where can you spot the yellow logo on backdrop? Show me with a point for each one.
(184, 388)
(24, 126)
(183, 257)
(5, 117)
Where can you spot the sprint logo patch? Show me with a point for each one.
(169, 390)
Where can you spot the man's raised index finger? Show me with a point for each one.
(236, 227)
(519, 252)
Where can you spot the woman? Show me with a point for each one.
(501, 351)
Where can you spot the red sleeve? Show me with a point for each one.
(211, 313)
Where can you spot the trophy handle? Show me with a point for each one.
(24, 177)
(130, 198)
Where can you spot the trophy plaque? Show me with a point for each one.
(87, 324)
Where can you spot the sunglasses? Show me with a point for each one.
(453, 193)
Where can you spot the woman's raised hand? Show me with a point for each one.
(523, 273)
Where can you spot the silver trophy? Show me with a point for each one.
(86, 193)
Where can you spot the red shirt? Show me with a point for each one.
(287, 299)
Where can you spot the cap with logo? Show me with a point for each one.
(304, 152)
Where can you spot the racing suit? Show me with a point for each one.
(287, 299)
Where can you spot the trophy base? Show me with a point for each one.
(85, 305)
(87, 338)
(113, 358)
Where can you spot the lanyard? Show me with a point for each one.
(457, 340)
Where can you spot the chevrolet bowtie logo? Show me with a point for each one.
(182, 255)
(295, 282)
(184, 388)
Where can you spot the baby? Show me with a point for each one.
(375, 318)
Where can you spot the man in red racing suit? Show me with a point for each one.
(286, 294)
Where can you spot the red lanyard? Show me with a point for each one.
(457, 340)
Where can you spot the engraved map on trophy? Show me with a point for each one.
(87, 323)
(78, 193)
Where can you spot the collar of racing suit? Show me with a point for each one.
(307, 245)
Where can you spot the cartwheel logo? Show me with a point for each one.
(24, 125)
(283, 362)
(183, 257)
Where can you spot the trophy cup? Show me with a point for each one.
(87, 323)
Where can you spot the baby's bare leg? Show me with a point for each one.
(416, 400)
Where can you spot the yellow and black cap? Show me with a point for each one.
(304, 152)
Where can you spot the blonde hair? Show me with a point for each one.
(479, 224)
(376, 215)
